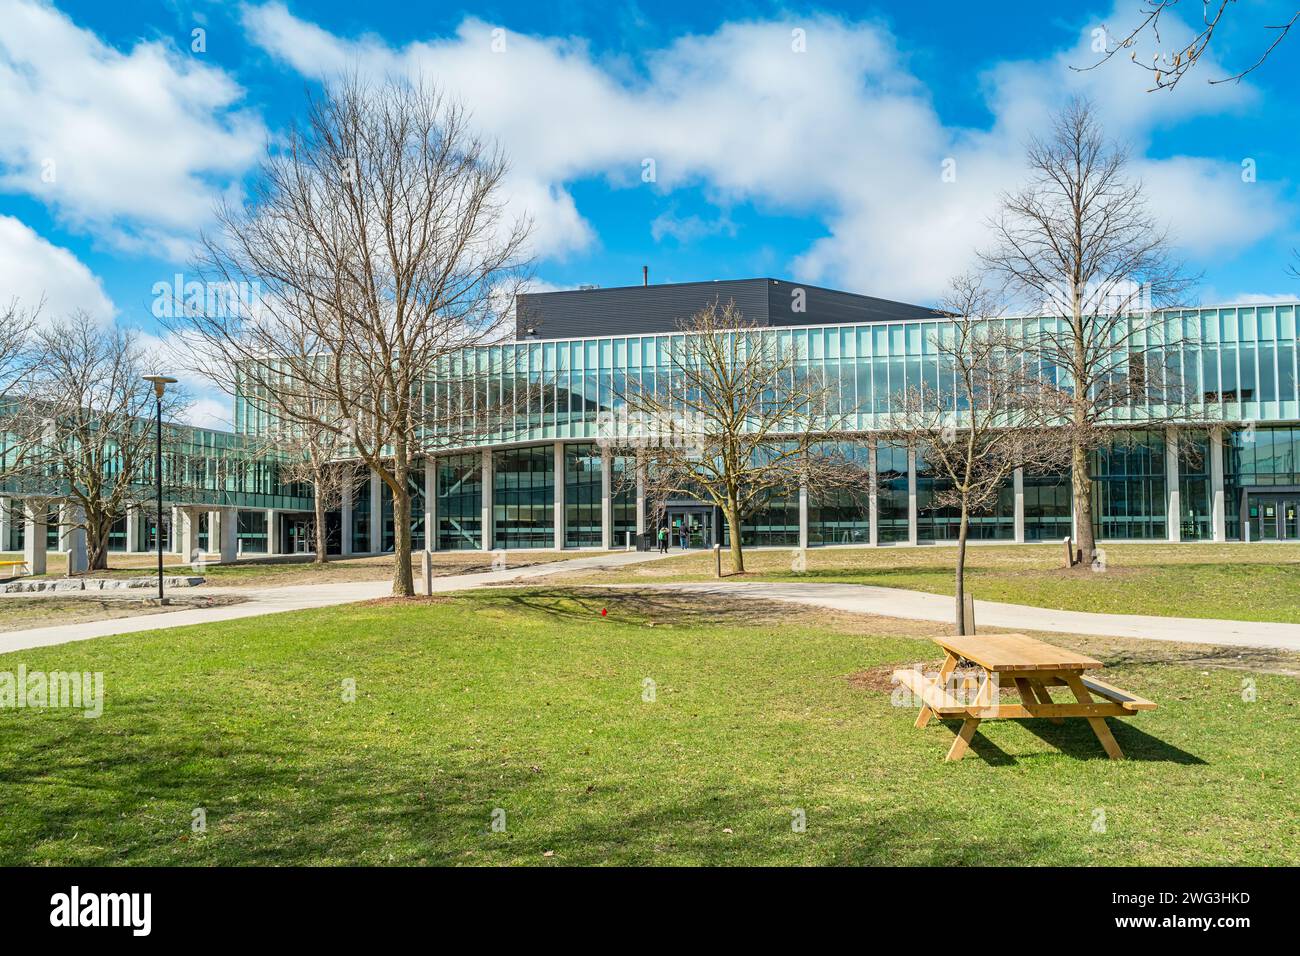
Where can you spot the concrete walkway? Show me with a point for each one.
(919, 606)
(300, 597)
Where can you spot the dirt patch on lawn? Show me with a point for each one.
(45, 609)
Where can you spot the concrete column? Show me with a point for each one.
(606, 500)
(6, 522)
(559, 496)
(177, 542)
(911, 496)
(272, 532)
(486, 518)
(34, 536)
(345, 518)
(132, 529)
(228, 540)
(1018, 484)
(640, 497)
(1218, 520)
(377, 514)
(190, 533)
(430, 503)
(1173, 505)
(873, 501)
(803, 516)
(74, 539)
(65, 526)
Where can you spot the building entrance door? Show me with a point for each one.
(298, 534)
(1275, 518)
(697, 523)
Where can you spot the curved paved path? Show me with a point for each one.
(917, 605)
(300, 597)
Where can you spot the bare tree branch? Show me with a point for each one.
(378, 244)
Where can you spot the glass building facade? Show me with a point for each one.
(1225, 468)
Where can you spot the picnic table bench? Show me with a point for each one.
(12, 569)
(1034, 666)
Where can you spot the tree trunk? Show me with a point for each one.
(962, 530)
(1081, 493)
(319, 505)
(403, 582)
(732, 515)
(97, 527)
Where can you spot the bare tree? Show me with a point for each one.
(1169, 64)
(1078, 246)
(991, 413)
(733, 417)
(97, 437)
(19, 420)
(316, 457)
(380, 250)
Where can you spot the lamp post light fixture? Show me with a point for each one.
(160, 383)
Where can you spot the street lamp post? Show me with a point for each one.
(160, 383)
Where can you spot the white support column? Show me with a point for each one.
(1173, 506)
(34, 548)
(376, 514)
(6, 520)
(803, 517)
(272, 532)
(190, 533)
(640, 498)
(74, 539)
(606, 499)
(178, 537)
(873, 500)
(345, 517)
(1217, 510)
(132, 529)
(559, 497)
(486, 518)
(65, 527)
(228, 522)
(430, 503)
(911, 496)
(1018, 485)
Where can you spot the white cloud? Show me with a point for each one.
(32, 269)
(130, 146)
(843, 132)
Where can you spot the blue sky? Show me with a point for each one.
(821, 163)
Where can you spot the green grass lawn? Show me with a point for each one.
(532, 702)
(1232, 581)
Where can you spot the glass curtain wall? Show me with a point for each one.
(1128, 487)
(843, 517)
(460, 502)
(891, 492)
(523, 497)
(1194, 518)
(582, 496)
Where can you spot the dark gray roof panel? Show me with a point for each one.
(640, 310)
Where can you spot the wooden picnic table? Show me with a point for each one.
(1034, 667)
